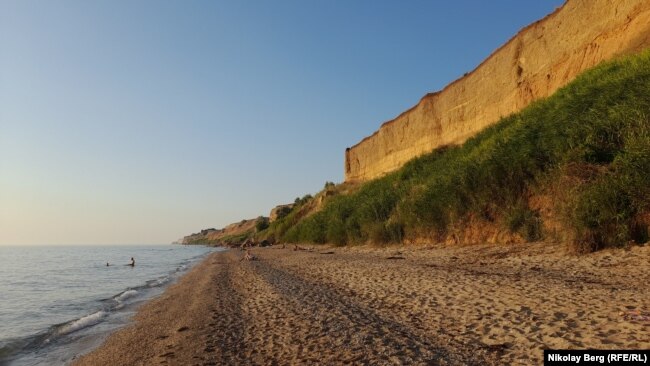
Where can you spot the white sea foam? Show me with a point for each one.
(84, 322)
(126, 294)
(158, 282)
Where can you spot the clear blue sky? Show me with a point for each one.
(142, 121)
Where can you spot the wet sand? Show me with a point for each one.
(479, 304)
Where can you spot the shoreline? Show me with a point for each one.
(487, 304)
(73, 301)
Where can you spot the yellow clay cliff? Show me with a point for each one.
(540, 59)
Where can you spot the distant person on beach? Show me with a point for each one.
(248, 256)
(132, 264)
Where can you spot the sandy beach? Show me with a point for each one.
(479, 304)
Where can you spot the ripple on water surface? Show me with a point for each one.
(62, 301)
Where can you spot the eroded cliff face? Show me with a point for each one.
(540, 59)
(216, 236)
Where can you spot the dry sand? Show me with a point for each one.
(481, 304)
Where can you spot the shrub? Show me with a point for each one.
(283, 212)
(301, 201)
(261, 223)
(521, 219)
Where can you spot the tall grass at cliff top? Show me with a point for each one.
(593, 133)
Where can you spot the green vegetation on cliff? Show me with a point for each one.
(587, 147)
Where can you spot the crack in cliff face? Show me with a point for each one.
(540, 59)
(347, 161)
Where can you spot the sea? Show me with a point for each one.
(58, 302)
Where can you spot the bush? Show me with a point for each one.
(301, 201)
(521, 219)
(261, 223)
(283, 212)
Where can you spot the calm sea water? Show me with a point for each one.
(59, 302)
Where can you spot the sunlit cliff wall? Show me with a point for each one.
(541, 58)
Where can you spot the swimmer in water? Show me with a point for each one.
(107, 264)
(132, 264)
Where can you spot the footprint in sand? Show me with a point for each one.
(559, 316)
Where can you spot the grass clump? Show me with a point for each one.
(525, 221)
(236, 239)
